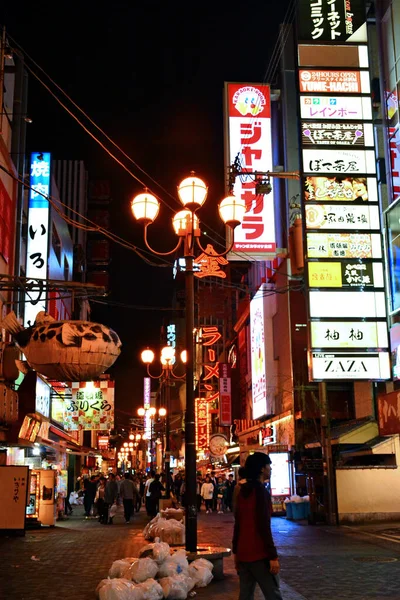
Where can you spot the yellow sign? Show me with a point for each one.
(324, 274)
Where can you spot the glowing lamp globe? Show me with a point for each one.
(167, 356)
(141, 412)
(182, 222)
(192, 192)
(147, 356)
(145, 207)
(184, 356)
(162, 412)
(152, 411)
(232, 210)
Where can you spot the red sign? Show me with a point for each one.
(333, 82)
(389, 413)
(225, 394)
(202, 424)
(102, 442)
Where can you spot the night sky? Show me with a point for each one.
(151, 75)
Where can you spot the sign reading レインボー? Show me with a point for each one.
(38, 225)
(248, 118)
(336, 107)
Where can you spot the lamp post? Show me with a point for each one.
(167, 360)
(192, 193)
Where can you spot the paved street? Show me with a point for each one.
(318, 563)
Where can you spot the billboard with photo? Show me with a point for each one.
(340, 188)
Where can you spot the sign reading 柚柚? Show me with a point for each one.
(91, 406)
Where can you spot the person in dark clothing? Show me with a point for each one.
(155, 489)
(90, 487)
(127, 491)
(110, 496)
(230, 488)
(256, 558)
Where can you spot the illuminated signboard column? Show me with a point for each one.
(346, 283)
(38, 229)
(248, 139)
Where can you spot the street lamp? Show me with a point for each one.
(145, 207)
(167, 359)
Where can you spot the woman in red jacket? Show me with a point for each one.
(256, 559)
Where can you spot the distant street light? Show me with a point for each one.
(145, 207)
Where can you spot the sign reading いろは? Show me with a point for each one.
(91, 406)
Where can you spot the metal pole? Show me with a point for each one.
(190, 436)
(167, 445)
(326, 447)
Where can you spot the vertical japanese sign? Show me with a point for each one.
(258, 367)
(13, 496)
(209, 379)
(248, 129)
(146, 406)
(91, 406)
(38, 226)
(340, 199)
(225, 394)
(202, 424)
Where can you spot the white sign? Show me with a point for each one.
(351, 334)
(344, 245)
(38, 225)
(339, 161)
(341, 365)
(342, 216)
(42, 404)
(249, 137)
(257, 338)
(280, 477)
(340, 304)
(334, 82)
(336, 107)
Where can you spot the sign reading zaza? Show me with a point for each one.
(91, 406)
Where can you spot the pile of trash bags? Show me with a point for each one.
(158, 572)
(168, 530)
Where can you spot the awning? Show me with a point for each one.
(234, 459)
(378, 445)
(357, 432)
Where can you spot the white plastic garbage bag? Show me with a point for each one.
(73, 498)
(142, 569)
(113, 511)
(201, 575)
(158, 551)
(176, 564)
(119, 567)
(202, 562)
(176, 587)
(151, 590)
(117, 589)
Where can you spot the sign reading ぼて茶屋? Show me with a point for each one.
(341, 210)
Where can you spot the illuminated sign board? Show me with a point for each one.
(340, 188)
(315, 133)
(42, 399)
(350, 365)
(342, 304)
(333, 82)
(146, 406)
(202, 424)
(258, 367)
(344, 245)
(280, 474)
(348, 334)
(339, 161)
(38, 226)
(91, 406)
(336, 107)
(248, 115)
(225, 394)
(338, 216)
(332, 21)
(345, 274)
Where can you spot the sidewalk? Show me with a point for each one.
(318, 562)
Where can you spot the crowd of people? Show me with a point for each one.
(102, 494)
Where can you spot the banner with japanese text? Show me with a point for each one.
(225, 394)
(202, 418)
(91, 406)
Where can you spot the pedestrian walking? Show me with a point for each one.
(207, 493)
(147, 492)
(110, 497)
(90, 487)
(127, 491)
(256, 558)
(230, 488)
(221, 495)
(99, 499)
(155, 489)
